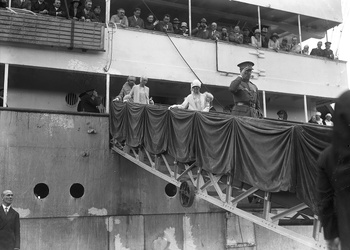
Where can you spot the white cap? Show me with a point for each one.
(196, 83)
(318, 113)
(329, 114)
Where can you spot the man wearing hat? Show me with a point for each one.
(274, 43)
(176, 26)
(327, 52)
(256, 40)
(89, 102)
(196, 100)
(328, 121)
(75, 11)
(317, 51)
(246, 36)
(282, 115)
(201, 31)
(165, 25)
(245, 93)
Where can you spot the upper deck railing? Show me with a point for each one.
(44, 30)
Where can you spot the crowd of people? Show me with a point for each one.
(257, 38)
(76, 10)
(316, 119)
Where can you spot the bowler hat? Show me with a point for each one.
(78, 1)
(176, 20)
(203, 20)
(327, 43)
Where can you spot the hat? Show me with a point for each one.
(73, 1)
(281, 112)
(318, 113)
(184, 24)
(329, 114)
(249, 64)
(203, 20)
(97, 7)
(87, 91)
(196, 83)
(327, 43)
(264, 29)
(176, 20)
(275, 35)
(245, 28)
(257, 31)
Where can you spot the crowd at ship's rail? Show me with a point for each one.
(257, 36)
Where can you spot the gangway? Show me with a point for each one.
(194, 180)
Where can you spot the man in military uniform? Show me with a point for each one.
(245, 93)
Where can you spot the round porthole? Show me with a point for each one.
(77, 190)
(170, 190)
(41, 190)
(71, 99)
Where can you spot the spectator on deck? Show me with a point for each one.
(246, 36)
(201, 30)
(97, 12)
(282, 115)
(327, 52)
(196, 100)
(75, 11)
(184, 29)
(150, 24)
(274, 43)
(318, 118)
(140, 93)
(333, 180)
(126, 88)
(135, 20)
(90, 102)
(224, 34)
(56, 9)
(255, 40)
(264, 38)
(295, 47)
(88, 14)
(119, 19)
(305, 50)
(214, 34)
(313, 119)
(41, 7)
(21, 4)
(165, 25)
(176, 26)
(284, 46)
(236, 36)
(317, 51)
(328, 121)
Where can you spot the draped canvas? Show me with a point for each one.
(268, 154)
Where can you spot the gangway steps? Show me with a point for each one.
(193, 181)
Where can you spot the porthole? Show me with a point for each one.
(170, 190)
(77, 190)
(41, 190)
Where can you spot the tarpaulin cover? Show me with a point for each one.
(271, 155)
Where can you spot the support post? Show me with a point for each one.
(189, 18)
(6, 82)
(299, 26)
(267, 205)
(264, 102)
(305, 109)
(259, 20)
(108, 78)
(108, 11)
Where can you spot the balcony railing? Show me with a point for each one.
(43, 30)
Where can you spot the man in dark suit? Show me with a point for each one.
(56, 9)
(9, 223)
